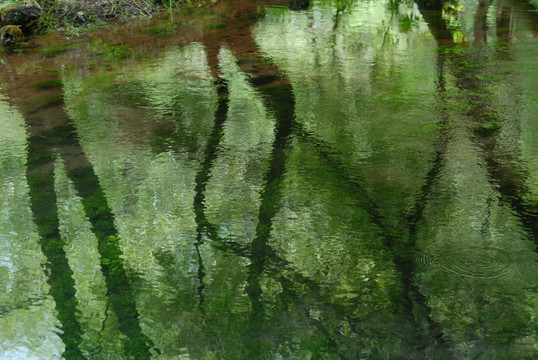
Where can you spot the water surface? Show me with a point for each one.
(291, 180)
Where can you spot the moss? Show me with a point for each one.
(10, 34)
(40, 159)
(164, 31)
(12, 30)
(59, 49)
(55, 50)
(46, 216)
(215, 26)
(47, 101)
(40, 146)
(48, 84)
(113, 52)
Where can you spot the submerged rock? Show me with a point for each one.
(24, 15)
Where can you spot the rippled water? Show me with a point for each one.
(281, 180)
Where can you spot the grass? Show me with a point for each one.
(81, 17)
(8, 3)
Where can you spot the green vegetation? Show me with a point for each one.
(215, 26)
(9, 3)
(164, 31)
(79, 17)
(366, 189)
(47, 101)
(113, 52)
(48, 84)
(58, 49)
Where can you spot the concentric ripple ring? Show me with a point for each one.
(473, 261)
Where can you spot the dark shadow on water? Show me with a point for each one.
(298, 4)
(271, 195)
(203, 226)
(279, 101)
(416, 215)
(119, 293)
(40, 175)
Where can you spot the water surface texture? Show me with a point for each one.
(320, 179)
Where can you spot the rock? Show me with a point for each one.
(24, 14)
(9, 34)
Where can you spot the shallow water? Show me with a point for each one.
(274, 180)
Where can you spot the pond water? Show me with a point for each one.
(342, 179)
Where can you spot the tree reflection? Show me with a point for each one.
(29, 315)
(355, 188)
